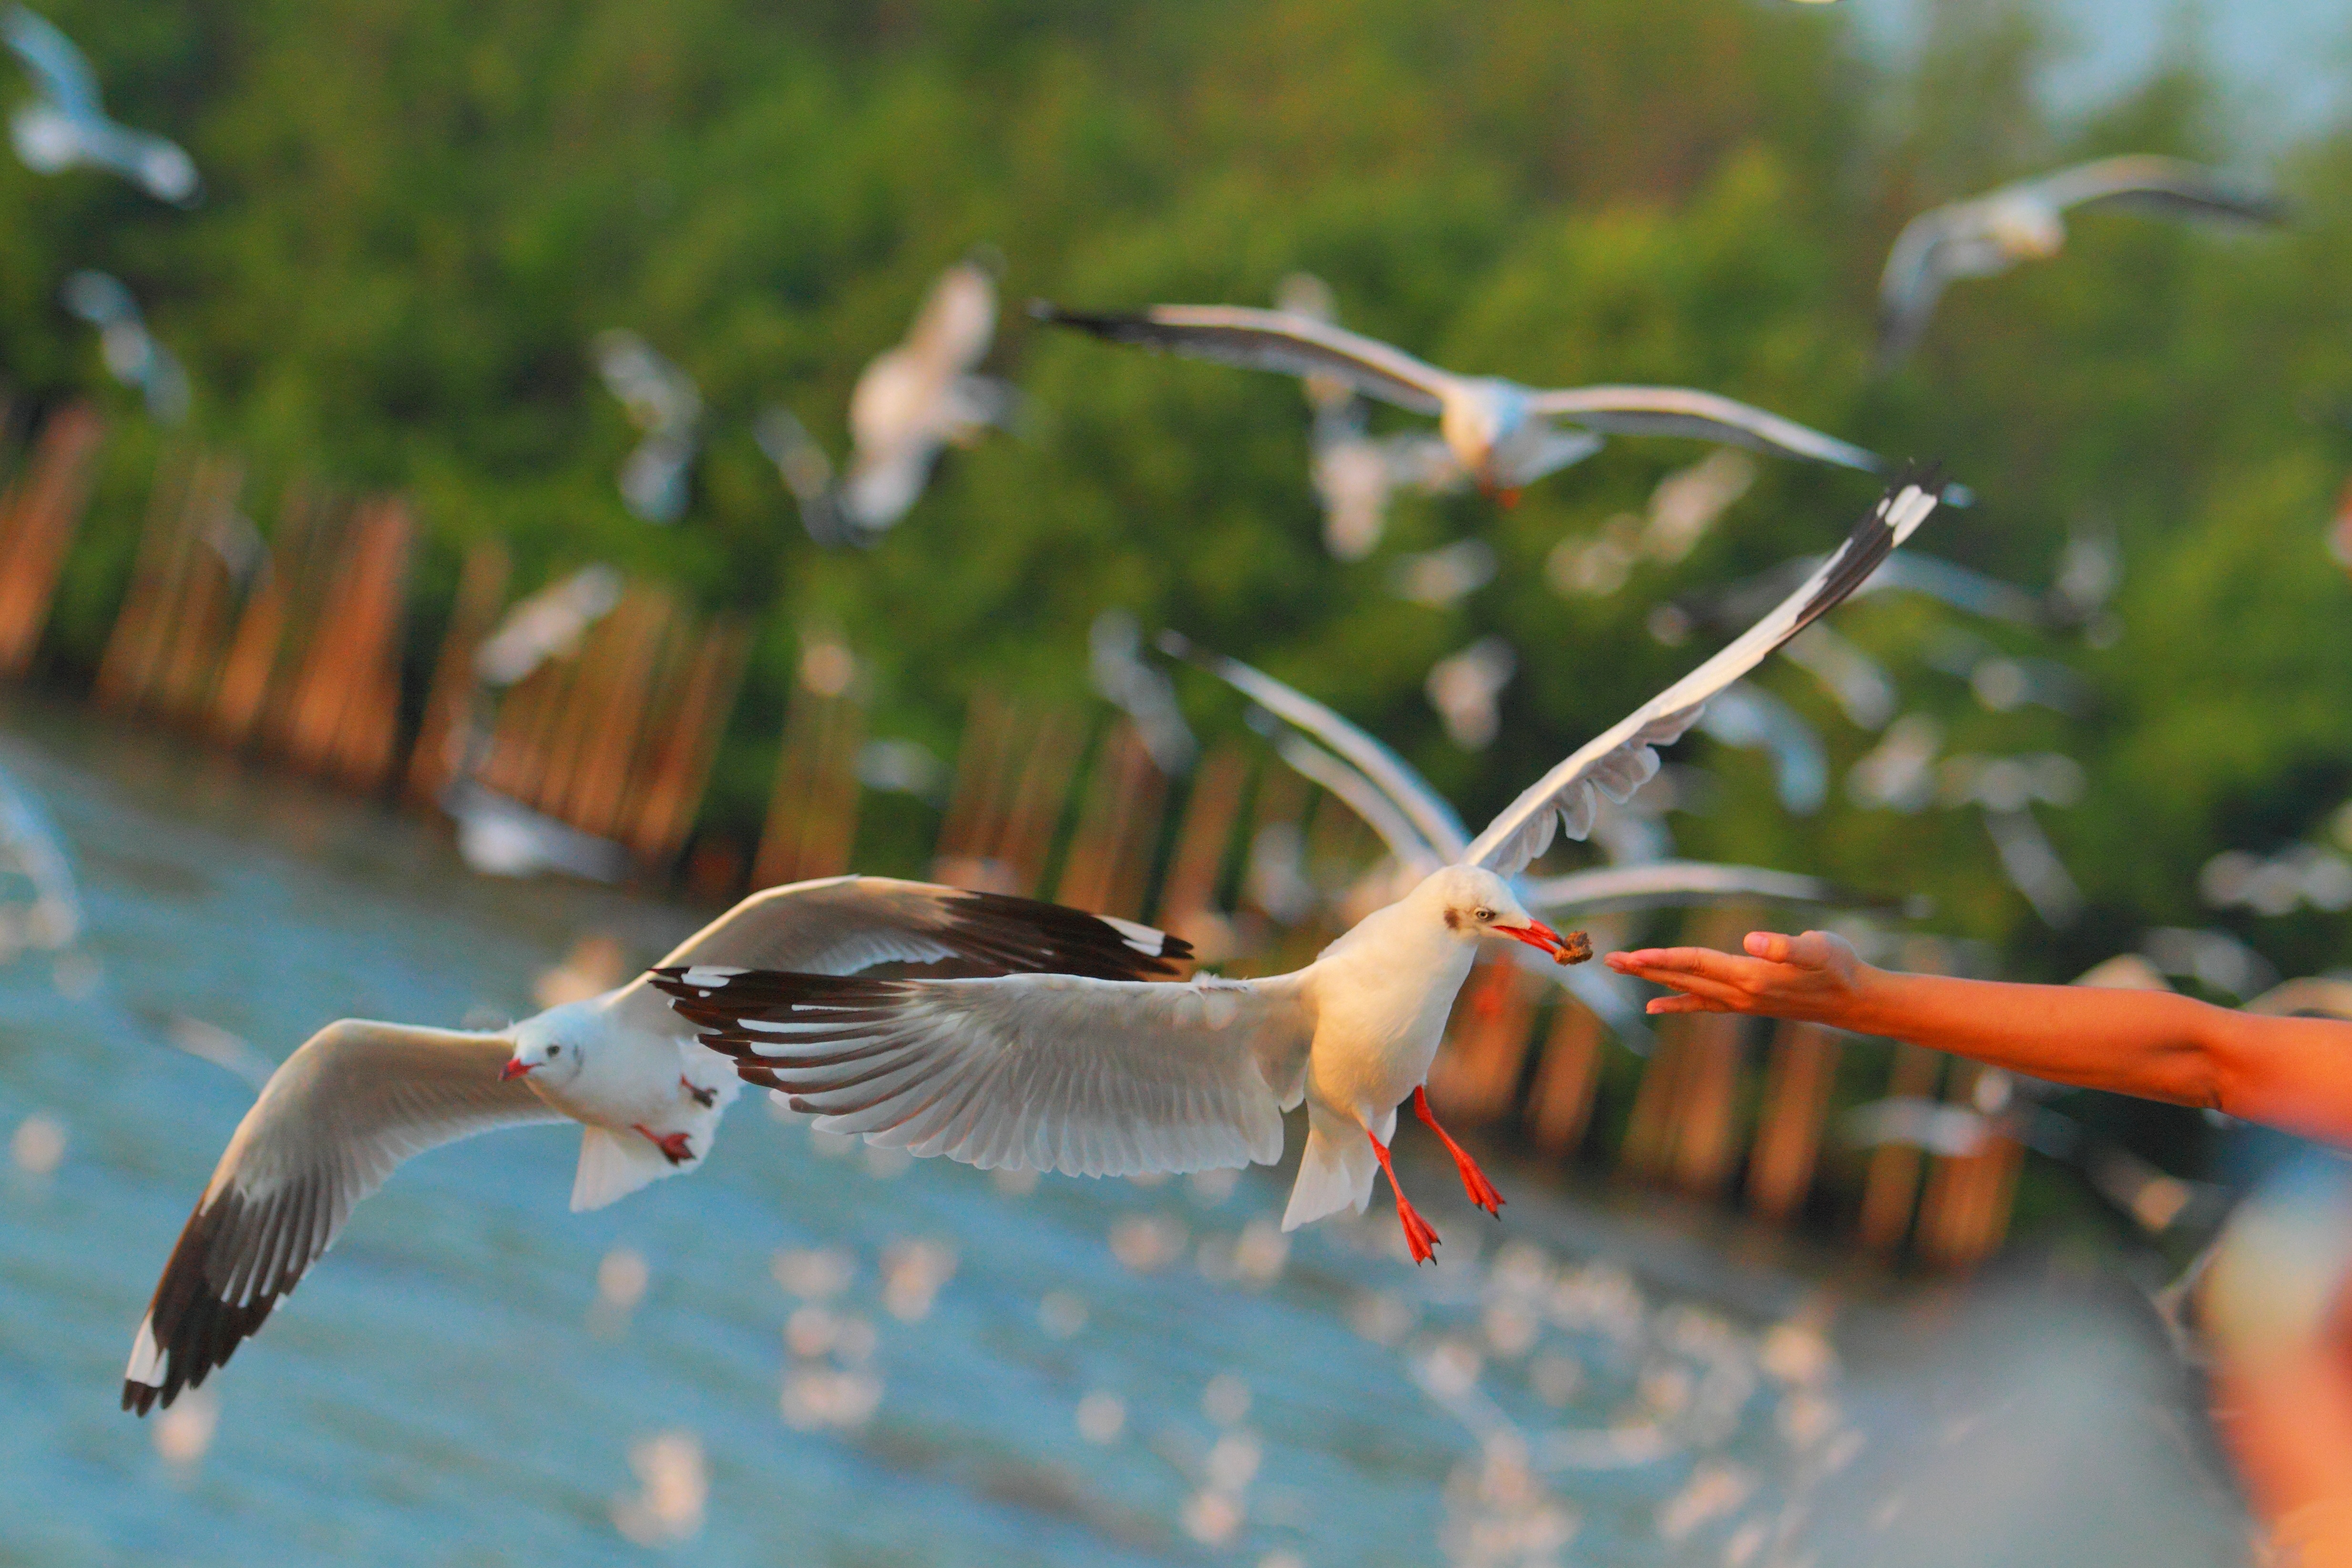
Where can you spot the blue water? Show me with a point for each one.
(1600, 1378)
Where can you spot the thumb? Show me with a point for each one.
(1769, 946)
(1814, 950)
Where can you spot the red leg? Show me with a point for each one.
(1482, 1190)
(1420, 1236)
(674, 1146)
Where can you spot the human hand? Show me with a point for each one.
(1815, 977)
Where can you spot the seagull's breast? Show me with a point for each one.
(1381, 1004)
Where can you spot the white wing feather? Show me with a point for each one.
(1623, 757)
(1044, 1072)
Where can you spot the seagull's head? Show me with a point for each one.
(1479, 421)
(1474, 904)
(551, 1048)
(2027, 230)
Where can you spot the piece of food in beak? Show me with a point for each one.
(1573, 948)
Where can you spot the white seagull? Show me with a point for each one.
(663, 403)
(132, 355)
(2026, 222)
(361, 1097)
(911, 401)
(1354, 472)
(1423, 834)
(1503, 434)
(1109, 1078)
(67, 126)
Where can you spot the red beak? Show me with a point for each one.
(516, 1067)
(1537, 934)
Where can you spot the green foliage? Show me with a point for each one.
(419, 215)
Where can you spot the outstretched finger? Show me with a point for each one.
(1659, 962)
(1718, 990)
(1682, 1002)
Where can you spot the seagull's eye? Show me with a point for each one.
(1483, 915)
(554, 1051)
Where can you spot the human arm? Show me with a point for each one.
(2295, 1074)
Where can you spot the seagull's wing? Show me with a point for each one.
(1914, 278)
(57, 64)
(1433, 818)
(842, 925)
(2169, 186)
(952, 330)
(1664, 884)
(1361, 796)
(1044, 1072)
(1621, 760)
(1269, 340)
(356, 1100)
(1681, 411)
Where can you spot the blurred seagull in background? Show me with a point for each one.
(547, 624)
(132, 355)
(1859, 683)
(1355, 472)
(664, 404)
(1467, 690)
(1748, 717)
(911, 401)
(1990, 234)
(1503, 434)
(341, 1113)
(1140, 691)
(33, 856)
(500, 836)
(1106, 1077)
(66, 127)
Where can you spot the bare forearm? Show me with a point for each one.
(2290, 1073)
(2151, 1044)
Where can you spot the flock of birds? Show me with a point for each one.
(1024, 1037)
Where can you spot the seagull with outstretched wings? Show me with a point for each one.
(340, 1115)
(2026, 221)
(1109, 1078)
(1503, 434)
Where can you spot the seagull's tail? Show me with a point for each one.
(1335, 1171)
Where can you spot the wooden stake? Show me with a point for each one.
(678, 765)
(1796, 1106)
(1560, 1107)
(1109, 859)
(449, 700)
(1892, 1181)
(43, 512)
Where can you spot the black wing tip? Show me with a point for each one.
(1118, 326)
(194, 1332)
(1075, 942)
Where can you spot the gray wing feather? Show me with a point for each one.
(1270, 339)
(1681, 411)
(1095, 1077)
(1621, 759)
(843, 925)
(334, 1120)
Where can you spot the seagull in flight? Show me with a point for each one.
(67, 126)
(1109, 1078)
(911, 401)
(1503, 434)
(1423, 834)
(132, 355)
(663, 403)
(1987, 235)
(360, 1096)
